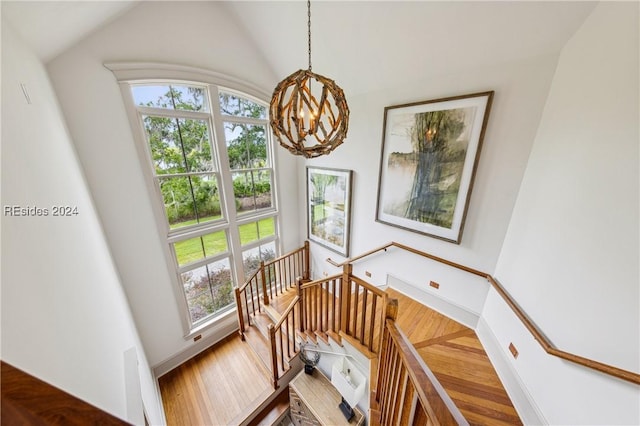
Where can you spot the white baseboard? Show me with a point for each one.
(223, 329)
(437, 303)
(527, 409)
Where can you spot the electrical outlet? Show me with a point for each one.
(434, 285)
(513, 350)
(198, 337)
(367, 273)
(325, 273)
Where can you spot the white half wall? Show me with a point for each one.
(65, 318)
(571, 253)
(89, 95)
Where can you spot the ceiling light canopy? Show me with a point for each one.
(308, 112)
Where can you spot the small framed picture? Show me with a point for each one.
(329, 208)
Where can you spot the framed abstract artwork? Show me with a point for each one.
(430, 153)
(329, 208)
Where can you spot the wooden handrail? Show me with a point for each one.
(288, 345)
(319, 281)
(552, 350)
(353, 259)
(286, 312)
(546, 344)
(371, 288)
(412, 250)
(292, 252)
(433, 398)
(248, 281)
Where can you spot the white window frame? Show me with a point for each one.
(128, 74)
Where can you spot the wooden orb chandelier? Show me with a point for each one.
(308, 112)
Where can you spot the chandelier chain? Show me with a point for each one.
(309, 29)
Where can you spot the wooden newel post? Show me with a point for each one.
(263, 276)
(306, 274)
(345, 298)
(240, 314)
(303, 320)
(391, 310)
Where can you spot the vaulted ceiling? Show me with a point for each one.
(358, 43)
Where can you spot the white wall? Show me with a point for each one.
(65, 318)
(91, 100)
(570, 256)
(590, 102)
(520, 91)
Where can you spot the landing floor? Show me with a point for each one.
(213, 387)
(455, 355)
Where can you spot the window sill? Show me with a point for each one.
(219, 320)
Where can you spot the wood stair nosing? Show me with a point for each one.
(272, 313)
(322, 336)
(257, 336)
(262, 321)
(335, 337)
(274, 411)
(260, 349)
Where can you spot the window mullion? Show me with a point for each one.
(170, 175)
(244, 120)
(226, 183)
(203, 262)
(173, 113)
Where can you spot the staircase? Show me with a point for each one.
(270, 328)
(279, 310)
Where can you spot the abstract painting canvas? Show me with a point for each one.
(430, 153)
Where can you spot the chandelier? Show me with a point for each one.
(308, 112)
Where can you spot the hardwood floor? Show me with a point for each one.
(215, 386)
(456, 357)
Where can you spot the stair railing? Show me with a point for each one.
(406, 390)
(248, 300)
(271, 279)
(344, 306)
(320, 307)
(363, 310)
(283, 345)
(279, 275)
(535, 331)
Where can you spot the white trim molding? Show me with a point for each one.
(438, 303)
(522, 400)
(135, 71)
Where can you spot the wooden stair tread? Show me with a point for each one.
(274, 412)
(260, 345)
(311, 336)
(336, 337)
(272, 313)
(262, 321)
(322, 336)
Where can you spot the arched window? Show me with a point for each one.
(207, 151)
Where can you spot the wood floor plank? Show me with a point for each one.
(455, 355)
(444, 339)
(214, 387)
